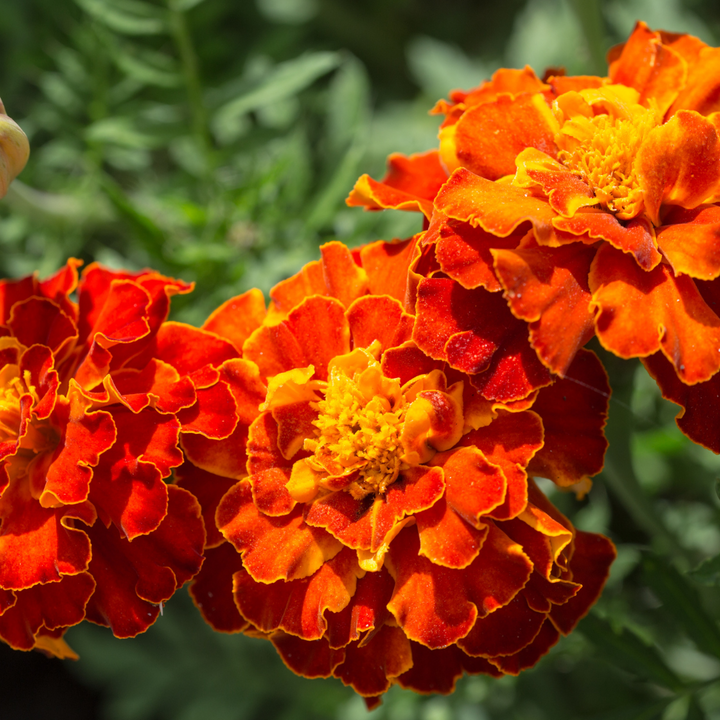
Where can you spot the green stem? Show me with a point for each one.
(188, 58)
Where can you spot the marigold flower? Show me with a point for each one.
(380, 523)
(14, 150)
(592, 203)
(90, 421)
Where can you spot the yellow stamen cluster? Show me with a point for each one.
(602, 149)
(356, 431)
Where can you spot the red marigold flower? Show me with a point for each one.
(380, 524)
(592, 203)
(89, 431)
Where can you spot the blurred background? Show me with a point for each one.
(216, 141)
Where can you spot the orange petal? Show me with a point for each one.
(379, 318)
(638, 313)
(273, 548)
(573, 412)
(40, 545)
(298, 607)
(635, 237)
(445, 538)
(655, 70)
(590, 566)
(366, 610)
(549, 288)
(437, 606)
(409, 184)
(688, 239)
(366, 524)
(566, 192)
(407, 362)
(679, 163)
(386, 265)
(509, 442)
(222, 457)
(128, 482)
(701, 90)
(496, 207)
(345, 280)
(236, 319)
(488, 137)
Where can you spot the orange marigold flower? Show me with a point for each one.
(592, 203)
(90, 422)
(380, 524)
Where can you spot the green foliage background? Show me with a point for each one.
(216, 140)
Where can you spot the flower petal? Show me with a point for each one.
(379, 318)
(679, 163)
(641, 312)
(273, 548)
(573, 412)
(236, 319)
(548, 287)
(386, 264)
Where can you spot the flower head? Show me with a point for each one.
(89, 431)
(591, 203)
(385, 527)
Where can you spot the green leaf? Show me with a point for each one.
(591, 20)
(707, 572)
(683, 601)
(284, 81)
(149, 68)
(637, 712)
(626, 650)
(126, 16)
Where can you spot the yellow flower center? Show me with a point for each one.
(601, 148)
(359, 428)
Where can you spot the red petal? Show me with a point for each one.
(212, 589)
(209, 490)
(344, 279)
(221, 457)
(40, 545)
(370, 667)
(213, 415)
(41, 321)
(134, 577)
(49, 606)
(127, 484)
(157, 384)
(464, 254)
(530, 654)
(311, 659)
(291, 292)
(573, 411)
(504, 632)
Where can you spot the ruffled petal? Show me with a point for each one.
(236, 319)
(639, 313)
